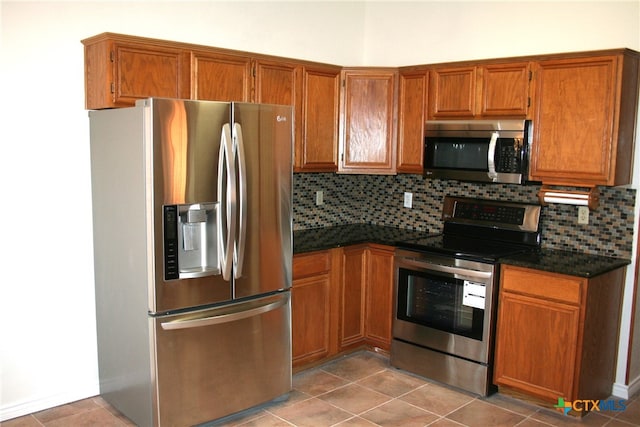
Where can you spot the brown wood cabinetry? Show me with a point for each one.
(368, 117)
(367, 296)
(412, 113)
(220, 77)
(584, 119)
(317, 149)
(280, 83)
(352, 298)
(119, 71)
(556, 335)
(379, 296)
(341, 299)
(479, 91)
(583, 105)
(312, 308)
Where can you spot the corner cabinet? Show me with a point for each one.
(366, 297)
(367, 122)
(584, 119)
(557, 335)
(341, 300)
(480, 91)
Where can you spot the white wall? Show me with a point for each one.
(47, 326)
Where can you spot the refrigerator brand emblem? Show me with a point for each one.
(281, 118)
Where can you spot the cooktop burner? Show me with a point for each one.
(479, 229)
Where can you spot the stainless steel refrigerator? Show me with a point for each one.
(192, 236)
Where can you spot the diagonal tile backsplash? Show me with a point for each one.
(378, 199)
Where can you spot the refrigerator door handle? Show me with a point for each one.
(226, 198)
(242, 201)
(227, 317)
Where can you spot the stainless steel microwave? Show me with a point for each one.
(478, 150)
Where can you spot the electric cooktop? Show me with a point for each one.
(483, 229)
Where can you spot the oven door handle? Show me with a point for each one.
(456, 271)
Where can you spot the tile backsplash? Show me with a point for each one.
(378, 199)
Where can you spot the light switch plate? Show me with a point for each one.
(319, 198)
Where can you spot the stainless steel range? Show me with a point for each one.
(446, 290)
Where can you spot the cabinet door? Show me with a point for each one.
(452, 92)
(317, 150)
(379, 297)
(280, 83)
(352, 296)
(220, 77)
(504, 90)
(368, 115)
(141, 71)
(536, 344)
(310, 310)
(573, 121)
(311, 307)
(412, 114)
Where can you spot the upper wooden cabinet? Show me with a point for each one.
(119, 71)
(412, 113)
(368, 117)
(584, 119)
(479, 91)
(371, 120)
(317, 149)
(220, 77)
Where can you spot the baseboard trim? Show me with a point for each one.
(46, 402)
(626, 391)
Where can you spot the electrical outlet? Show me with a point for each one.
(583, 215)
(408, 200)
(319, 197)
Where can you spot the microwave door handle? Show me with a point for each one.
(491, 156)
(226, 230)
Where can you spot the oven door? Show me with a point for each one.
(444, 304)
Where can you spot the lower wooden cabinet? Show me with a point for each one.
(341, 299)
(379, 297)
(313, 321)
(366, 297)
(557, 335)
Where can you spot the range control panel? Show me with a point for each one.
(494, 213)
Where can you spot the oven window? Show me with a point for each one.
(436, 301)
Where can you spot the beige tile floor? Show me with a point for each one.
(361, 390)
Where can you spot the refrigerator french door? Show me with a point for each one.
(192, 254)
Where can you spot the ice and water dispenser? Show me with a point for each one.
(190, 241)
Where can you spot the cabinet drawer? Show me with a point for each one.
(311, 264)
(539, 284)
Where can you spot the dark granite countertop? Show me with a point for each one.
(566, 262)
(317, 239)
(555, 261)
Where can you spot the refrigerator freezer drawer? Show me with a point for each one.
(213, 363)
